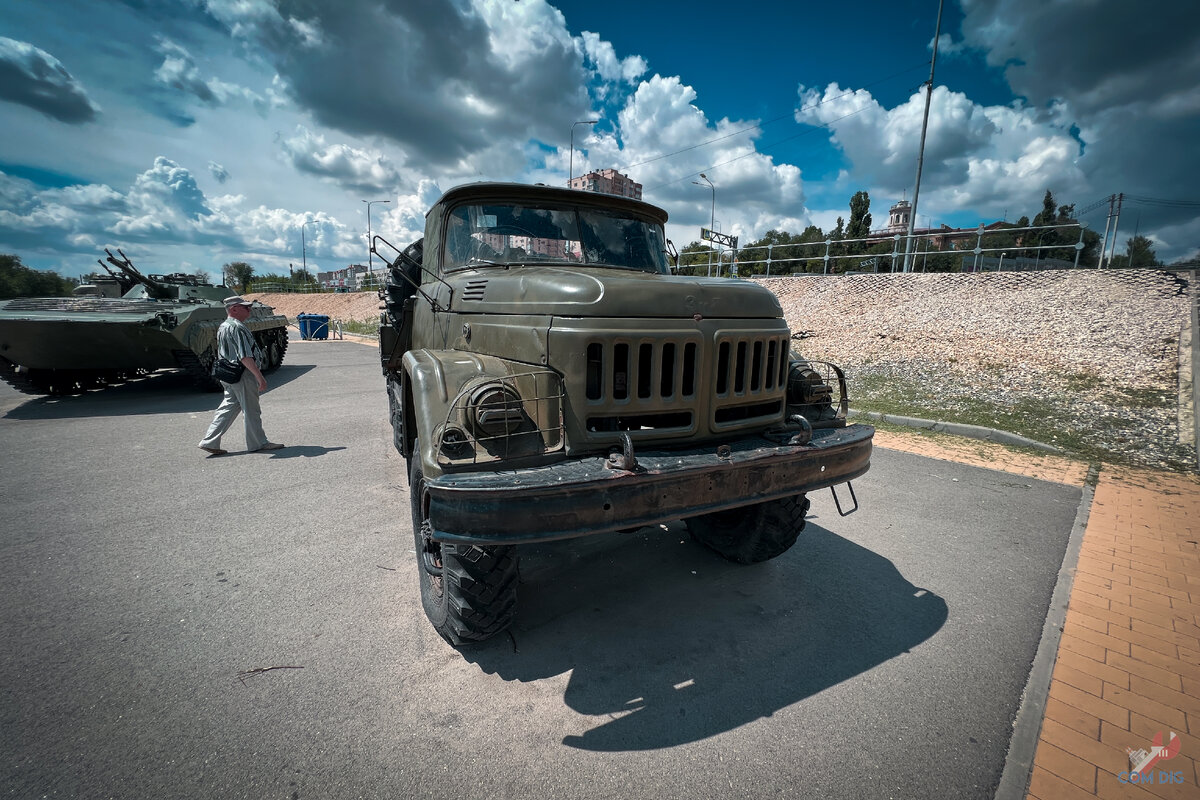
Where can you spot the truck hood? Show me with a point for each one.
(595, 292)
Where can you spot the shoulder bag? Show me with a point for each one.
(228, 371)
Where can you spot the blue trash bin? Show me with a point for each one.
(319, 326)
(305, 323)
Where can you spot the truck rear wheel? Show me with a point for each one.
(469, 592)
(752, 534)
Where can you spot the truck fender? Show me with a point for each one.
(437, 377)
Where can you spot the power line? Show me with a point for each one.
(1161, 203)
(1092, 206)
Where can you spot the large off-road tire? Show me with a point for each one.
(469, 592)
(396, 416)
(752, 534)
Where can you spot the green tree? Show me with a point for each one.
(694, 259)
(1139, 252)
(238, 274)
(1061, 243)
(837, 248)
(860, 220)
(18, 280)
(1046, 215)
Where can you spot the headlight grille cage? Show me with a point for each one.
(817, 390)
(503, 418)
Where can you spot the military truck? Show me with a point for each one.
(550, 376)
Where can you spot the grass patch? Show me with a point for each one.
(1111, 431)
(360, 328)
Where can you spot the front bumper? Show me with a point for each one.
(585, 496)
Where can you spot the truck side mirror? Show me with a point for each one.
(674, 254)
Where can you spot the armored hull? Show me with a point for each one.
(63, 345)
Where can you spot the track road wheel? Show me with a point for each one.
(469, 592)
(752, 534)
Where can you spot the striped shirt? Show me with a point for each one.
(235, 342)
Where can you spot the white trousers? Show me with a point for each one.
(240, 398)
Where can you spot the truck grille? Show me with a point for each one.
(750, 376)
(679, 381)
(664, 370)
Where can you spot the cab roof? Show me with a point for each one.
(540, 193)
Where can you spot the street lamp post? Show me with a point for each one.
(571, 168)
(712, 217)
(370, 264)
(304, 246)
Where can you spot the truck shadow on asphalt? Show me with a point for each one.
(674, 644)
(161, 392)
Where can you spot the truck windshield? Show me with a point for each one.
(507, 234)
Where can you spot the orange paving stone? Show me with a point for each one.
(1128, 663)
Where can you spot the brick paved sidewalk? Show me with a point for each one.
(1128, 664)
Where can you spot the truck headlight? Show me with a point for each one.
(494, 409)
(807, 387)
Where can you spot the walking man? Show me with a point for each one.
(235, 343)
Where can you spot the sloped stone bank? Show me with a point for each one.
(1087, 360)
(358, 306)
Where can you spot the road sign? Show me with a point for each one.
(709, 235)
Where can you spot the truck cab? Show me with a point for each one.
(549, 377)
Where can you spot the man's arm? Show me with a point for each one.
(252, 366)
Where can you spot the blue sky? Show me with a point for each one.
(191, 133)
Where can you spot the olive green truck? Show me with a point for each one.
(549, 376)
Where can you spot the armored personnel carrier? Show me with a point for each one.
(67, 345)
(549, 376)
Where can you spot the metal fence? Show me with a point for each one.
(867, 255)
(272, 287)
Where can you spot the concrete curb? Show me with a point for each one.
(958, 429)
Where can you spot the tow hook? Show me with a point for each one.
(624, 460)
(796, 431)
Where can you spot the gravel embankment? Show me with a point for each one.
(1082, 359)
(358, 306)
(1086, 360)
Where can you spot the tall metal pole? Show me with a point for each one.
(912, 218)
(571, 168)
(712, 217)
(1116, 224)
(304, 247)
(370, 263)
(1112, 198)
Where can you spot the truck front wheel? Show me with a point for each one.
(469, 592)
(752, 534)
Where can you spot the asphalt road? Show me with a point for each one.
(249, 626)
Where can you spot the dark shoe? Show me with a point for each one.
(214, 451)
(271, 446)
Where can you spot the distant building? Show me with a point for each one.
(942, 237)
(608, 181)
(350, 277)
(898, 217)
